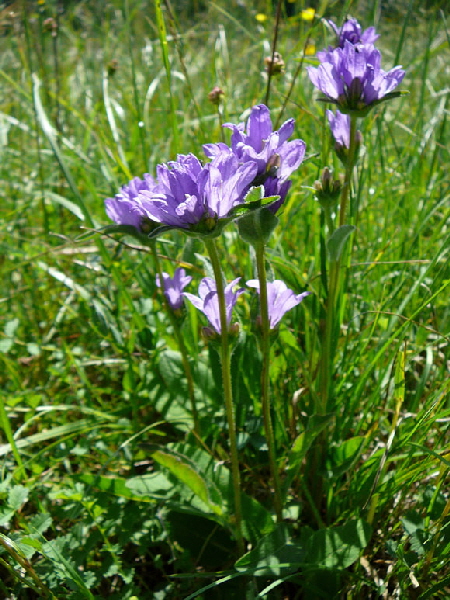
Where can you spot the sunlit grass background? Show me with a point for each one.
(91, 378)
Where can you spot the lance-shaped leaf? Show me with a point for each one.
(337, 241)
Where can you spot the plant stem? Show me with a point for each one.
(265, 379)
(334, 280)
(227, 391)
(181, 347)
(332, 317)
(351, 160)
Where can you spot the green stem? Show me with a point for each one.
(327, 349)
(181, 346)
(265, 379)
(334, 282)
(329, 221)
(332, 317)
(351, 160)
(227, 391)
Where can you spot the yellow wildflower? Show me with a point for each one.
(308, 14)
(310, 49)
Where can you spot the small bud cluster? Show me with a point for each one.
(327, 189)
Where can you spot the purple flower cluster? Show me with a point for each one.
(255, 142)
(185, 195)
(194, 197)
(350, 76)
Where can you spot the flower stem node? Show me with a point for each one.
(327, 189)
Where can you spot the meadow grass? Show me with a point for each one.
(105, 491)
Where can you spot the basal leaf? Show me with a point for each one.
(187, 472)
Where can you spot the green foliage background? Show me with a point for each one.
(103, 490)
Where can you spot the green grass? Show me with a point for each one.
(104, 492)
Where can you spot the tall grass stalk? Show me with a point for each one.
(166, 60)
(274, 49)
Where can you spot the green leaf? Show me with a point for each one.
(71, 206)
(257, 226)
(253, 200)
(78, 427)
(147, 488)
(337, 241)
(431, 592)
(338, 547)
(39, 523)
(257, 520)
(171, 369)
(275, 555)
(207, 542)
(17, 496)
(301, 445)
(6, 344)
(399, 378)
(186, 471)
(343, 456)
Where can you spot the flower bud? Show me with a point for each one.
(327, 189)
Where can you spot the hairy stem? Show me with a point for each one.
(265, 380)
(227, 391)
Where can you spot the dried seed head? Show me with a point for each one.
(215, 95)
(274, 65)
(50, 25)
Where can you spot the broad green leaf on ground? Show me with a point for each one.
(275, 555)
(257, 520)
(335, 547)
